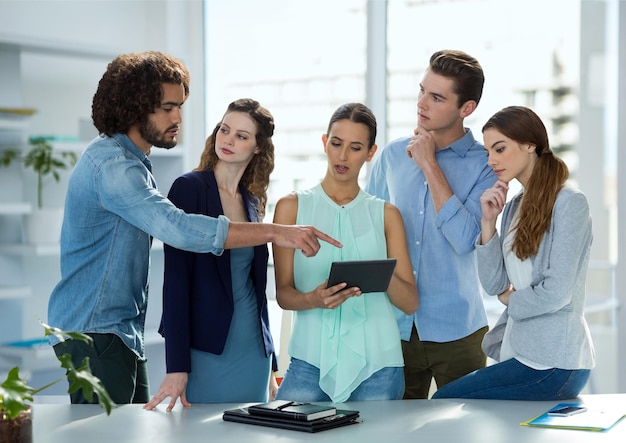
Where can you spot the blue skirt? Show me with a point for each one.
(241, 373)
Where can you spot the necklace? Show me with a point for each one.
(345, 200)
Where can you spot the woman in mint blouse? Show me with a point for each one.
(344, 345)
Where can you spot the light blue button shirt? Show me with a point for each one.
(112, 211)
(441, 245)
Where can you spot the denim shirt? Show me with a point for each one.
(441, 245)
(112, 211)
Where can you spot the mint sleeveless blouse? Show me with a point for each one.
(350, 343)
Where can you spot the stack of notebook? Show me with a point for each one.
(306, 417)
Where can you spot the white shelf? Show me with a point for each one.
(10, 122)
(79, 145)
(38, 356)
(152, 337)
(30, 249)
(63, 48)
(10, 125)
(76, 146)
(14, 292)
(177, 151)
(15, 208)
(32, 286)
(601, 306)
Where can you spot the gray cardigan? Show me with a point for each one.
(549, 327)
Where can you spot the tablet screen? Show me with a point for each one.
(368, 275)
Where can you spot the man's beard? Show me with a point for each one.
(150, 133)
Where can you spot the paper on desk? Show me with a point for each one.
(594, 419)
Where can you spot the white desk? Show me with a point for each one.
(415, 421)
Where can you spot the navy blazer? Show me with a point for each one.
(197, 288)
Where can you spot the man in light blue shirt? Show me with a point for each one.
(436, 178)
(113, 210)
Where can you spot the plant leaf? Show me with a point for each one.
(43, 159)
(63, 335)
(14, 393)
(8, 157)
(82, 378)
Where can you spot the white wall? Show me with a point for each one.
(65, 47)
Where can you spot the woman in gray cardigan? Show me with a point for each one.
(537, 264)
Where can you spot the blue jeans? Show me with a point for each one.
(301, 383)
(512, 380)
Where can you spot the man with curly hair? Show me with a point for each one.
(113, 209)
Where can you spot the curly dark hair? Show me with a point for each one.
(256, 177)
(130, 89)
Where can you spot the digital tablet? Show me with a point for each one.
(367, 275)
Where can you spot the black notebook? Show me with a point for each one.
(292, 410)
(341, 418)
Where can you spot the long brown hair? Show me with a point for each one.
(548, 177)
(256, 177)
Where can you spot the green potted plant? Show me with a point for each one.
(43, 225)
(16, 395)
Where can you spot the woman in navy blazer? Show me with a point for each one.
(215, 319)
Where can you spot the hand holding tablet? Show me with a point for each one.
(367, 275)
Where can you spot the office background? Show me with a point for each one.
(301, 60)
